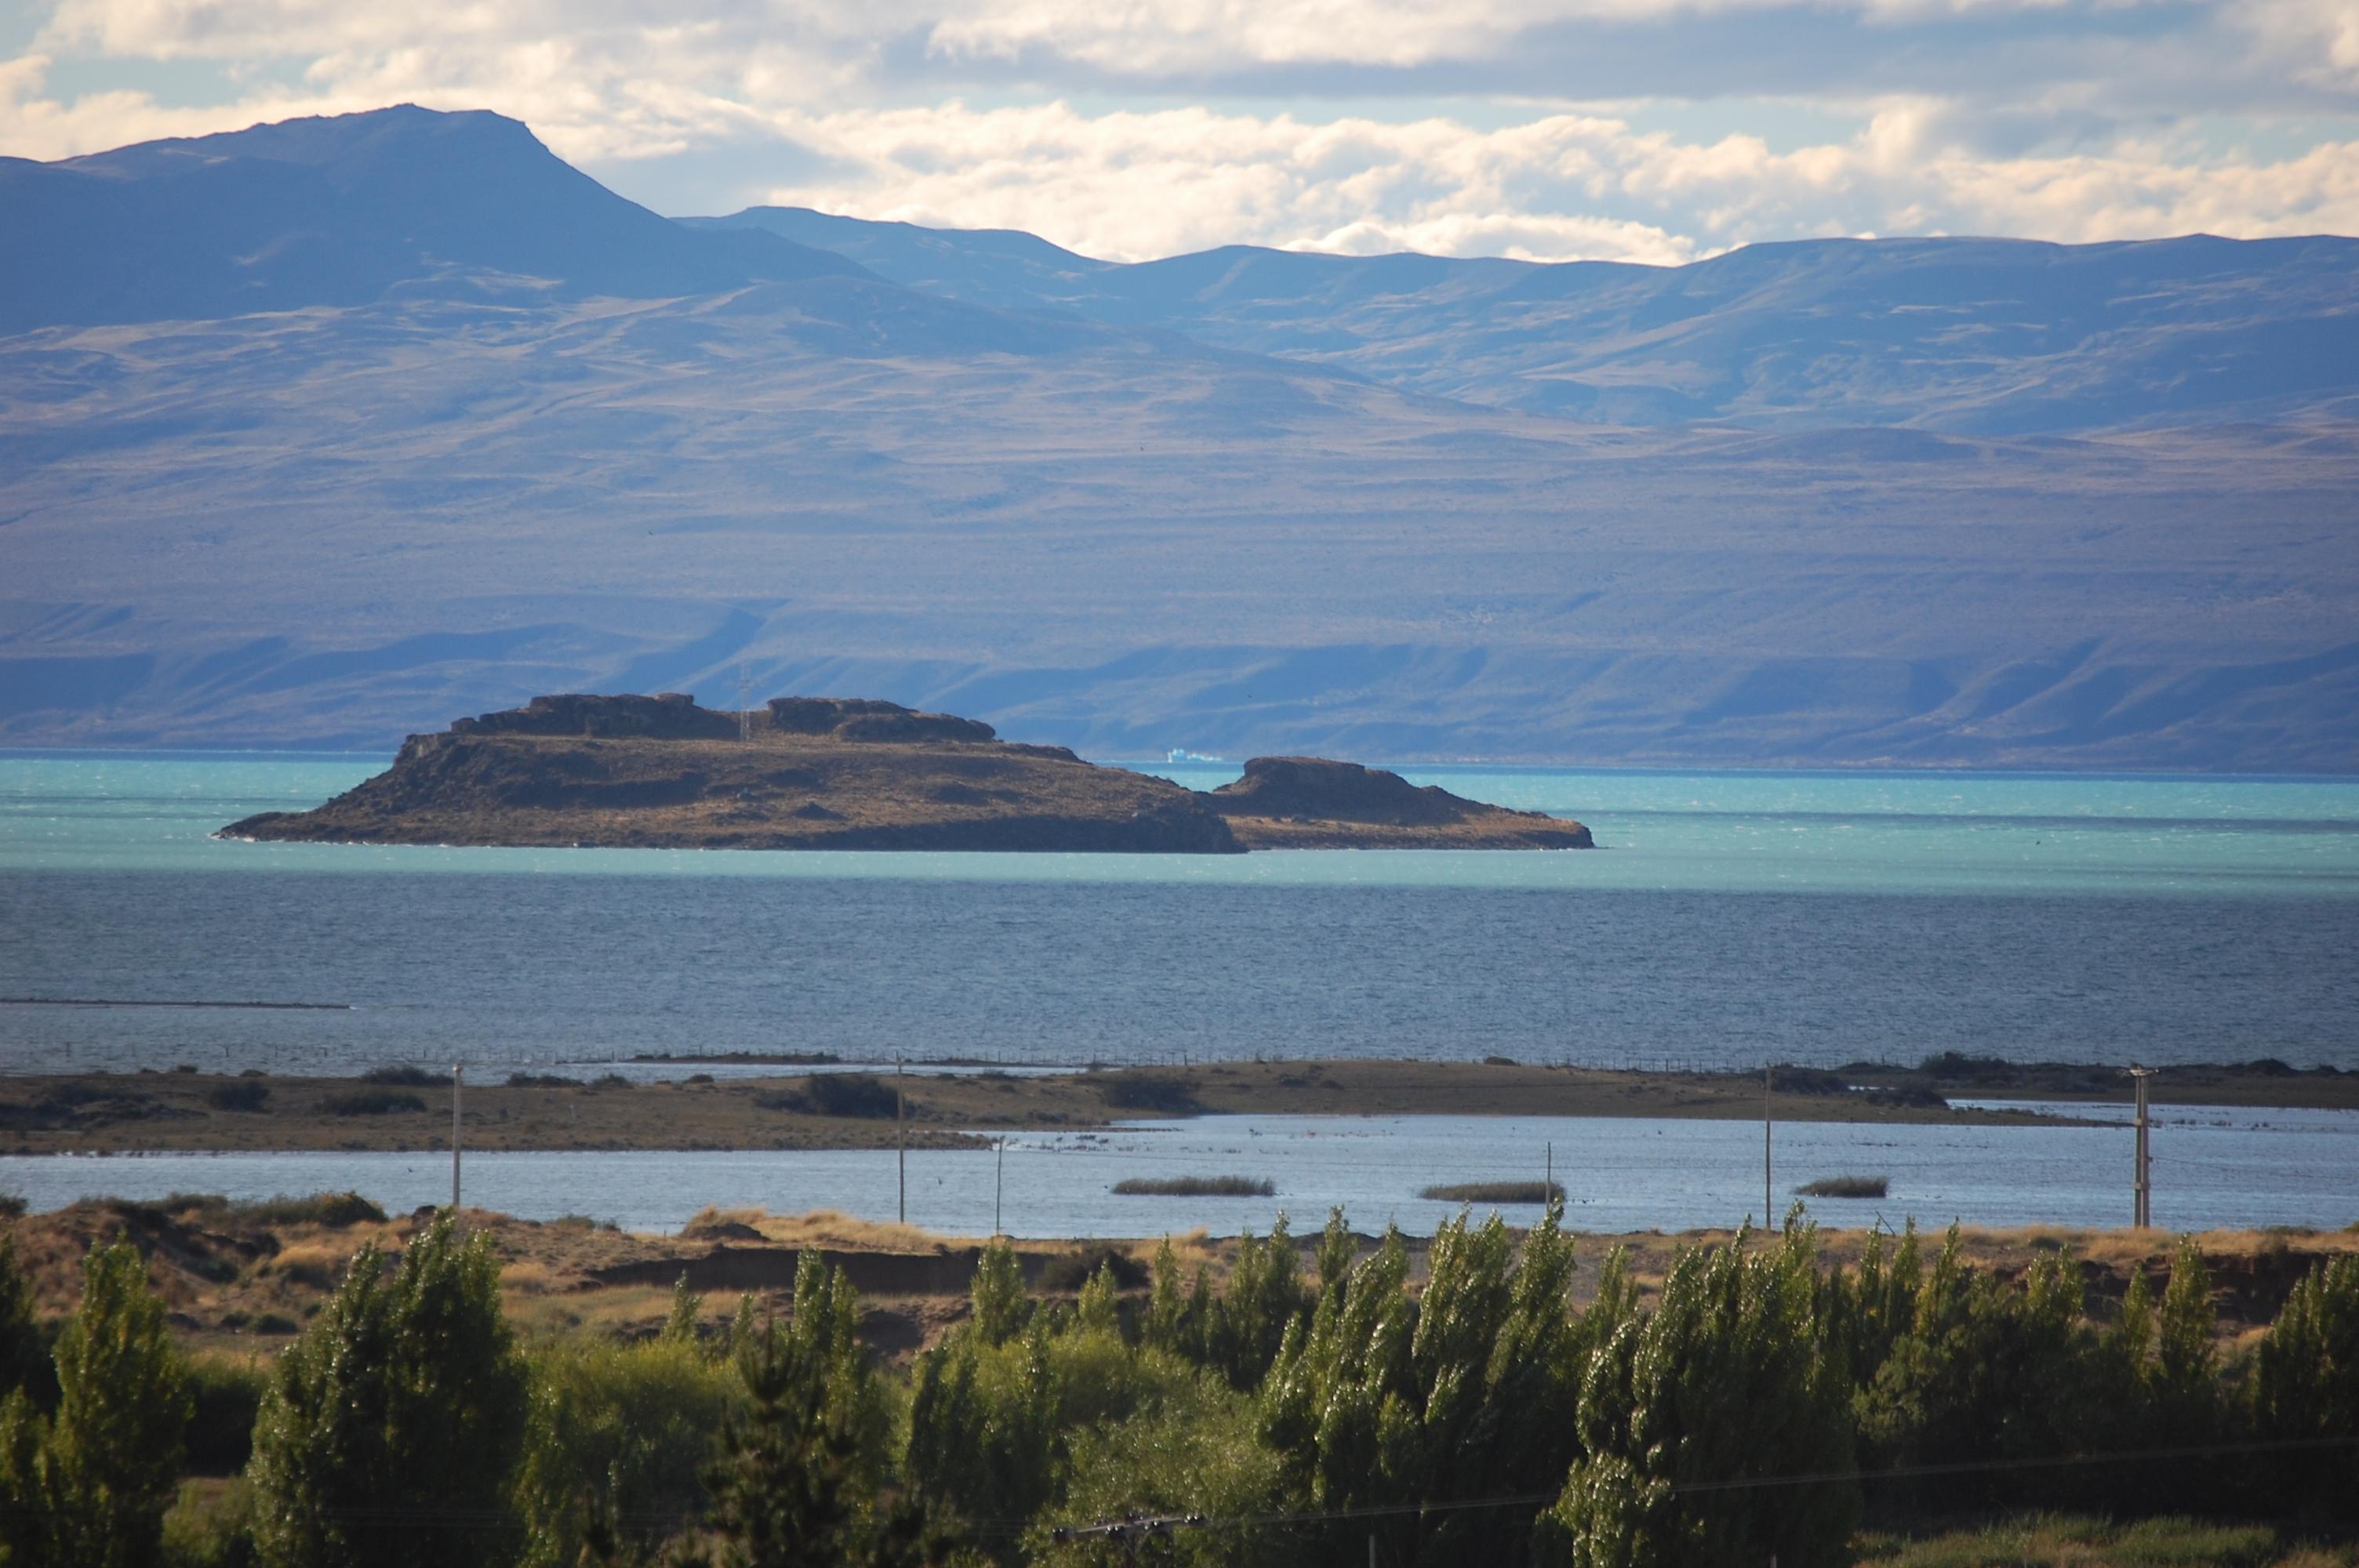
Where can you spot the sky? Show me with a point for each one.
(1656, 131)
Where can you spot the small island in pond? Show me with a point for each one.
(854, 773)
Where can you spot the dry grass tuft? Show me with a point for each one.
(832, 1228)
(530, 1278)
(318, 1264)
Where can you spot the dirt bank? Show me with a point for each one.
(241, 1277)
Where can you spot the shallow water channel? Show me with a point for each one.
(2215, 1167)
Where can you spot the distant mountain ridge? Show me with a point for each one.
(317, 432)
(338, 212)
(1981, 336)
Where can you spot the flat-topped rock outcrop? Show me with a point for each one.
(856, 774)
(1312, 802)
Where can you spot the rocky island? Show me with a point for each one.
(855, 774)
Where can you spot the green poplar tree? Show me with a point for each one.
(90, 1484)
(391, 1427)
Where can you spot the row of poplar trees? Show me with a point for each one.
(1757, 1407)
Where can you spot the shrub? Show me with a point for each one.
(405, 1077)
(840, 1094)
(1194, 1450)
(211, 1529)
(1164, 1092)
(371, 1102)
(404, 1399)
(225, 1395)
(610, 1081)
(12, 1206)
(243, 1094)
(542, 1081)
(1793, 1080)
(616, 1445)
(1072, 1270)
(1196, 1187)
(341, 1210)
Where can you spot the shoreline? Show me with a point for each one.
(851, 1107)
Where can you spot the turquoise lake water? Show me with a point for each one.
(1912, 833)
(1727, 918)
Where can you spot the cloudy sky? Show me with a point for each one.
(1642, 130)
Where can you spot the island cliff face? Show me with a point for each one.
(854, 773)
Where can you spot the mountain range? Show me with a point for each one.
(317, 433)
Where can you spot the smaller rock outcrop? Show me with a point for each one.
(1314, 802)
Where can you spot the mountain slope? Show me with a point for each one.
(520, 456)
(1978, 336)
(338, 212)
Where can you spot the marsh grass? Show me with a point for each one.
(1495, 1192)
(1846, 1187)
(1196, 1187)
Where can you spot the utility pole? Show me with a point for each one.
(1767, 1082)
(745, 703)
(1548, 1181)
(999, 1186)
(900, 1142)
(458, 1082)
(2142, 1172)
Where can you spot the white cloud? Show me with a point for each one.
(2049, 118)
(1128, 186)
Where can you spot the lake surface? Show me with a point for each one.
(2213, 1168)
(1730, 918)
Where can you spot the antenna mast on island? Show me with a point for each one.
(745, 703)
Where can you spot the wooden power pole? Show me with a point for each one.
(458, 1082)
(900, 1145)
(2142, 1172)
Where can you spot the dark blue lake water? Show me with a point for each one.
(1731, 918)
